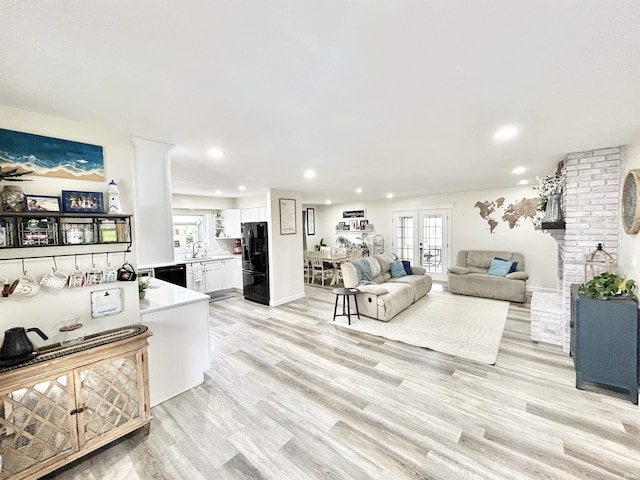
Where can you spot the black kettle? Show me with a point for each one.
(16, 344)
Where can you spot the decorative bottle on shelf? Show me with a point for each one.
(114, 198)
(12, 199)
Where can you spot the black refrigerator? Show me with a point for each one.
(255, 262)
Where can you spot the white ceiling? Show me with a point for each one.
(391, 96)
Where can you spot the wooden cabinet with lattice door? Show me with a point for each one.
(57, 410)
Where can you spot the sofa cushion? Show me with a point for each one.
(407, 267)
(514, 265)
(459, 270)
(517, 276)
(375, 289)
(363, 270)
(499, 267)
(376, 269)
(481, 259)
(397, 269)
(421, 284)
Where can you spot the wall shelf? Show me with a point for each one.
(553, 225)
(54, 229)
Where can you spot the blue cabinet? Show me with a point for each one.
(604, 342)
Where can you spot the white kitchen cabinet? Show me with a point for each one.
(179, 347)
(237, 273)
(212, 276)
(231, 222)
(195, 277)
(227, 273)
(256, 214)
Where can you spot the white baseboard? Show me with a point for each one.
(282, 301)
(542, 290)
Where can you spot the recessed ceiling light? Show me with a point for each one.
(309, 174)
(519, 170)
(215, 152)
(358, 190)
(328, 202)
(505, 133)
(218, 192)
(389, 195)
(524, 181)
(242, 188)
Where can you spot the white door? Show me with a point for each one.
(422, 237)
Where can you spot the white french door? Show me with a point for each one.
(422, 237)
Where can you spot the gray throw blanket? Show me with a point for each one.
(363, 269)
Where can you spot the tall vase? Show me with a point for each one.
(553, 212)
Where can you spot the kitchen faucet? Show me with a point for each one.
(196, 248)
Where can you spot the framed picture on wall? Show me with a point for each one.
(82, 202)
(311, 221)
(287, 216)
(354, 224)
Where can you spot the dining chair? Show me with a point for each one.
(318, 268)
(307, 266)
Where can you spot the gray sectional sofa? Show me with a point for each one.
(388, 296)
(470, 276)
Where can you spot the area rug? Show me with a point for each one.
(466, 327)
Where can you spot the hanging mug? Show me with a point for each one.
(109, 275)
(126, 273)
(27, 286)
(76, 279)
(55, 280)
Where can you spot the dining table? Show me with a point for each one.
(335, 258)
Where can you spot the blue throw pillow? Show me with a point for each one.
(397, 269)
(499, 268)
(407, 267)
(514, 265)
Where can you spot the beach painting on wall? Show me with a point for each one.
(51, 157)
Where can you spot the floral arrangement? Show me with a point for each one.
(548, 185)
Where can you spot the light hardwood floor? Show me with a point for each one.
(291, 396)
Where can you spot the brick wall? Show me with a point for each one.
(591, 212)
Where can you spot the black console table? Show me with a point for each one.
(604, 342)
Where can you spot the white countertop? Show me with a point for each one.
(167, 295)
(179, 261)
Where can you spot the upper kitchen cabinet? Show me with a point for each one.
(154, 221)
(231, 222)
(256, 214)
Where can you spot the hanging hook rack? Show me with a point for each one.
(108, 262)
(55, 265)
(75, 255)
(24, 270)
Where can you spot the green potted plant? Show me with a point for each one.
(342, 241)
(321, 244)
(608, 286)
(143, 285)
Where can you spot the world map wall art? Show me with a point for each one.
(514, 214)
(51, 157)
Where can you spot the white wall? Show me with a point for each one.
(195, 202)
(251, 202)
(286, 278)
(46, 309)
(468, 229)
(629, 246)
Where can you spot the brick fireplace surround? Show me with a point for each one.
(592, 215)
